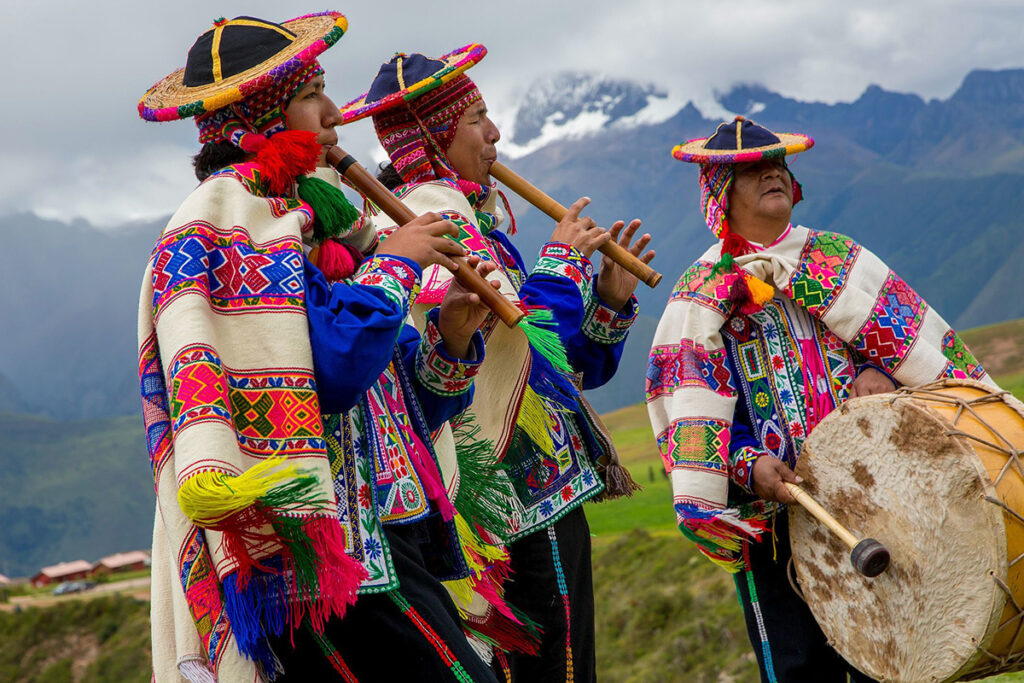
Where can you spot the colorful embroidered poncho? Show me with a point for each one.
(550, 437)
(691, 394)
(269, 513)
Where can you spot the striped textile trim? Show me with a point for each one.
(443, 651)
(333, 656)
(765, 645)
(564, 592)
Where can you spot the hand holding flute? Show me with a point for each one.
(372, 189)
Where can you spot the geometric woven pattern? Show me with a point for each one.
(894, 324)
(695, 444)
(824, 266)
(276, 413)
(203, 593)
(226, 268)
(198, 391)
(962, 362)
(154, 405)
(699, 286)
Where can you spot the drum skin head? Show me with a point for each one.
(888, 470)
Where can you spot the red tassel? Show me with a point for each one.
(735, 245)
(337, 260)
(288, 154)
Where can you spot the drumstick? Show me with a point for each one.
(374, 190)
(869, 557)
(542, 201)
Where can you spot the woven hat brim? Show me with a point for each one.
(693, 151)
(170, 99)
(455, 63)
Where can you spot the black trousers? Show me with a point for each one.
(553, 583)
(789, 644)
(380, 639)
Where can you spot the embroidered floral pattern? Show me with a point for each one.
(396, 277)
(562, 260)
(605, 326)
(439, 372)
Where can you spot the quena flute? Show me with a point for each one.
(542, 201)
(376, 192)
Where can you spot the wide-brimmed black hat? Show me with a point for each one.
(237, 58)
(741, 141)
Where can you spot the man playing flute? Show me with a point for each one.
(532, 417)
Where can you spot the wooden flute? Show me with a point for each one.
(376, 192)
(545, 203)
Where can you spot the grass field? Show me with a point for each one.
(664, 613)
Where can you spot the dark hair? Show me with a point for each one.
(215, 156)
(389, 176)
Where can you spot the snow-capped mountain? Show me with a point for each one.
(571, 105)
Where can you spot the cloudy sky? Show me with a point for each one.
(73, 71)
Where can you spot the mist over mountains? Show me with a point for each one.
(933, 187)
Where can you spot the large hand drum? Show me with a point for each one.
(934, 474)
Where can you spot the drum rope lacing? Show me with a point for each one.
(926, 394)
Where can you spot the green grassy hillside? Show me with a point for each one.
(663, 612)
(72, 490)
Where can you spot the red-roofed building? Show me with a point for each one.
(121, 562)
(65, 571)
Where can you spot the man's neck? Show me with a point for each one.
(760, 232)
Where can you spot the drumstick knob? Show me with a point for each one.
(870, 558)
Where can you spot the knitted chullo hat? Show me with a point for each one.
(738, 141)
(237, 80)
(416, 103)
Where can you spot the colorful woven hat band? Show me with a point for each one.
(417, 135)
(250, 121)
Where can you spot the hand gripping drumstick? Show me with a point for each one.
(374, 190)
(538, 198)
(869, 557)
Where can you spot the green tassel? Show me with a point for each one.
(334, 214)
(536, 326)
(725, 264)
(485, 494)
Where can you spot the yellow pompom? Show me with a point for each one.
(760, 291)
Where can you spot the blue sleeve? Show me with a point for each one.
(562, 281)
(437, 409)
(352, 331)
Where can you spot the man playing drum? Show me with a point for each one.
(764, 335)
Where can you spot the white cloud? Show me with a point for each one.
(74, 71)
